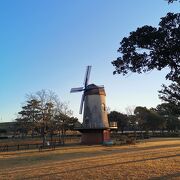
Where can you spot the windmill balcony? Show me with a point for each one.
(113, 125)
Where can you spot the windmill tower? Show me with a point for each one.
(95, 127)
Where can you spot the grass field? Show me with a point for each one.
(153, 159)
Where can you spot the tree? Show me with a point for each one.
(28, 117)
(60, 120)
(141, 116)
(22, 125)
(132, 120)
(155, 121)
(149, 119)
(150, 48)
(171, 1)
(44, 112)
(63, 120)
(30, 112)
(121, 119)
(133, 123)
(130, 110)
(47, 109)
(171, 95)
(169, 113)
(171, 109)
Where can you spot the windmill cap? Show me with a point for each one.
(92, 89)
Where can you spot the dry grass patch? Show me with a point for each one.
(155, 159)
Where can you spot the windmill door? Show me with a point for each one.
(106, 135)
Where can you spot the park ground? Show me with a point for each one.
(154, 159)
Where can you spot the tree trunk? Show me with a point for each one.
(51, 137)
(59, 132)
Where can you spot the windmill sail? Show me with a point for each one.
(81, 105)
(87, 75)
(76, 89)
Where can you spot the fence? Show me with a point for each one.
(27, 146)
(6, 148)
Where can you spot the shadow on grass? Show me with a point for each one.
(166, 177)
(15, 162)
(112, 164)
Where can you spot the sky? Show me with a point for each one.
(48, 44)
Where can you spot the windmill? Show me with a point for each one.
(95, 126)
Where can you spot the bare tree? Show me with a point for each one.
(54, 114)
(45, 113)
(130, 110)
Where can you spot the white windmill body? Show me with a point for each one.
(95, 126)
(95, 114)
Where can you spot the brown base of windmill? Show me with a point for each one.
(94, 136)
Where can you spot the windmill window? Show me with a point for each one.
(103, 107)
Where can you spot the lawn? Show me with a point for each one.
(152, 159)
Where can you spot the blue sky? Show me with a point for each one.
(48, 44)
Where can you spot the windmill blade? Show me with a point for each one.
(81, 105)
(87, 75)
(73, 90)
